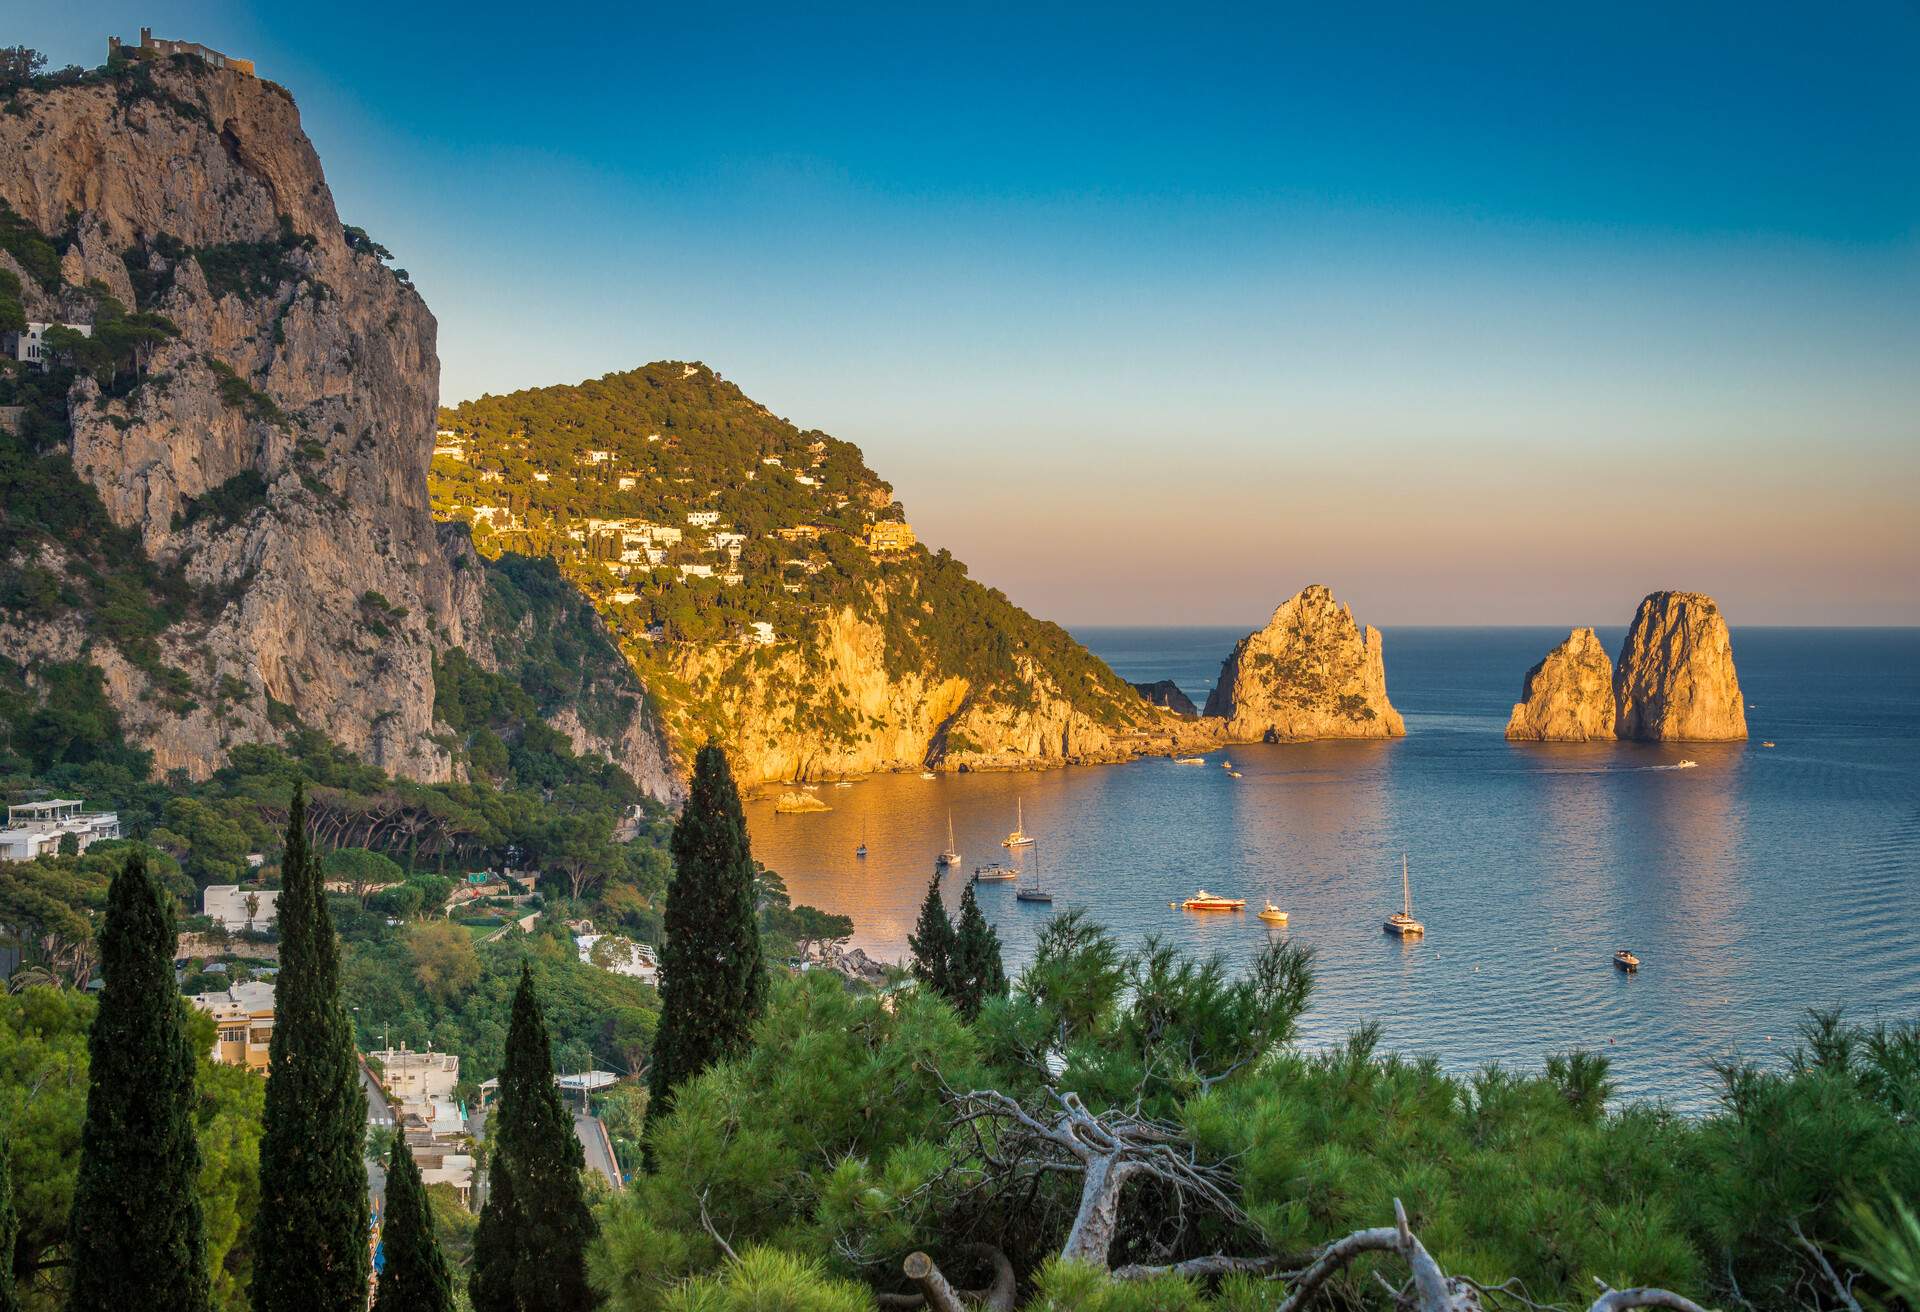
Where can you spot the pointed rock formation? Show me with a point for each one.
(1310, 673)
(1166, 693)
(1568, 696)
(1674, 681)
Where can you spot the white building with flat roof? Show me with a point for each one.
(226, 906)
(417, 1077)
(36, 828)
(31, 345)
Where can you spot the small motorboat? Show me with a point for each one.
(994, 874)
(1272, 914)
(1226, 765)
(1191, 760)
(1205, 901)
(1233, 774)
(1688, 765)
(1626, 961)
(1766, 744)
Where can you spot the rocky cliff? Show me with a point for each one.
(1675, 680)
(1165, 692)
(1312, 672)
(263, 441)
(1568, 696)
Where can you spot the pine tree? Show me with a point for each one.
(713, 983)
(933, 943)
(9, 1228)
(414, 1278)
(529, 1250)
(310, 1232)
(978, 974)
(135, 1230)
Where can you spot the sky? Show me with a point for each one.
(1479, 314)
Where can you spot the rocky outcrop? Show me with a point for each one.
(832, 706)
(1310, 673)
(1568, 696)
(1166, 693)
(1675, 680)
(276, 451)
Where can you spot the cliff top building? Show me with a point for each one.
(164, 49)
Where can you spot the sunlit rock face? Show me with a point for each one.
(1312, 672)
(1568, 696)
(1675, 679)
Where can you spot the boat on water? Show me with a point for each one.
(950, 857)
(1626, 961)
(1019, 837)
(1687, 765)
(994, 874)
(1205, 901)
(1401, 923)
(928, 774)
(861, 851)
(1272, 914)
(1226, 765)
(1766, 744)
(1233, 774)
(1190, 760)
(1032, 890)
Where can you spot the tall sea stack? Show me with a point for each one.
(1568, 696)
(1312, 672)
(1675, 681)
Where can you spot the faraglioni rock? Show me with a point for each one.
(1166, 693)
(1568, 696)
(1310, 673)
(1675, 681)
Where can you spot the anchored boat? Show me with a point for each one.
(1272, 914)
(1032, 891)
(1401, 922)
(1626, 961)
(950, 857)
(1205, 901)
(1019, 837)
(994, 874)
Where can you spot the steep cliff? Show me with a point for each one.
(1675, 680)
(1568, 696)
(763, 582)
(1310, 673)
(248, 427)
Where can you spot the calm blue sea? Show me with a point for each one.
(1760, 883)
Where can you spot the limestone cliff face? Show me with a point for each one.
(1568, 696)
(302, 362)
(1675, 680)
(827, 706)
(1310, 673)
(1165, 692)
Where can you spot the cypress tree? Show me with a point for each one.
(530, 1248)
(977, 970)
(712, 981)
(310, 1232)
(9, 1229)
(933, 944)
(414, 1278)
(135, 1229)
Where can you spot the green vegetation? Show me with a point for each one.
(530, 1246)
(252, 270)
(312, 1222)
(658, 444)
(932, 942)
(976, 972)
(713, 983)
(414, 1278)
(136, 1233)
(9, 1227)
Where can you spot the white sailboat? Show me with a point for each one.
(1402, 922)
(1031, 891)
(1019, 837)
(950, 857)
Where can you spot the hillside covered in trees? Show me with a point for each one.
(758, 580)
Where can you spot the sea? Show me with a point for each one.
(1763, 879)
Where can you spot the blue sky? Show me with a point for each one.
(1492, 314)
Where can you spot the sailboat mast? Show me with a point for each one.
(1406, 889)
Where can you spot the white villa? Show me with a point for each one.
(31, 345)
(36, 828)
(226, 906)
(703, 518)
(410, 1076)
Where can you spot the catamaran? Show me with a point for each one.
(1032, 892)
(1402, 922)
(1019, 837)
(950, 857)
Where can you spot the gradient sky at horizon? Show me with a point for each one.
(1483, 314)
